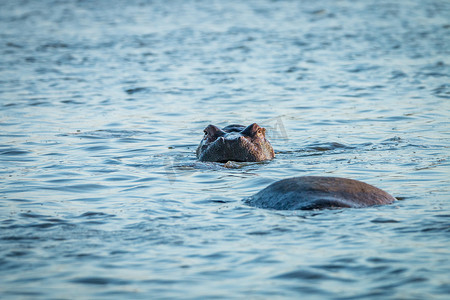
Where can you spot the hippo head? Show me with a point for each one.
(236, 143)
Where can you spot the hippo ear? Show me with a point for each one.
(253, 130)
(213, 131)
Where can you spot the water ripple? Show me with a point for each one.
(102, 108)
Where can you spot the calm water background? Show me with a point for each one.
(104, 102)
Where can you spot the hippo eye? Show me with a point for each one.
(262, 131)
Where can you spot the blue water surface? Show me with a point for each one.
(103, 103)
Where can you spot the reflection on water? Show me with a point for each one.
(102, 107)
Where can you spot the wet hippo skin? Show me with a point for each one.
(315, 192)
(239, 143)
(235, 143)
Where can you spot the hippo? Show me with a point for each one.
(240, 143)
(235, 143)
(317, 192)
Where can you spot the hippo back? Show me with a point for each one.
(313, 192)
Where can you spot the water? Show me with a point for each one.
(103, 104)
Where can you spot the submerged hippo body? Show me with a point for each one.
(312, 192)
(235, 143)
